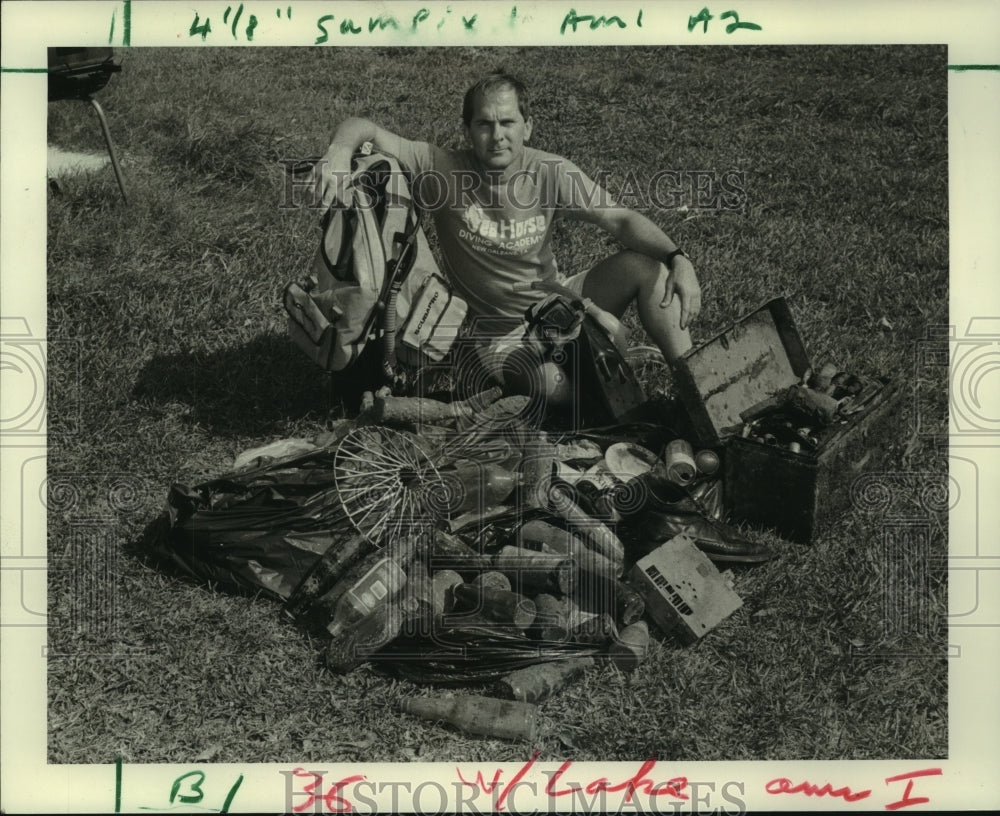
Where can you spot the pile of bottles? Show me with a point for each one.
(799, 418)
(524, 567)
(546, 589)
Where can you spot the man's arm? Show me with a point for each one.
(638, 233)
(332, 171)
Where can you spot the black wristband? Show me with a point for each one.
(669, 260)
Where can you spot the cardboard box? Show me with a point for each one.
(685, 594)
(796, 494)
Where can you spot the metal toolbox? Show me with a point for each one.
(795, 493)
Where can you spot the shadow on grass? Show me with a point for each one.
(244, 390)
(150, 548)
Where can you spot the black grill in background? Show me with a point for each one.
(78, 73)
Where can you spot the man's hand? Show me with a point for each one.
(330, 175)
(641, 235)
(682, 282)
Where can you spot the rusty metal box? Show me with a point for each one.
(796, 494)
(684, 592)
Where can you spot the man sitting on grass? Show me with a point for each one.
(493, 207)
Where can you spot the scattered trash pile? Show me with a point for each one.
(458, 542)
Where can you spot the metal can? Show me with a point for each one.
(679, 460)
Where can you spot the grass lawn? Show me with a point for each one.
(176, 358)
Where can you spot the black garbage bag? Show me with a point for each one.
(259, 529)
(472, 654)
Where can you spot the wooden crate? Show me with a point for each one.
(797, 494)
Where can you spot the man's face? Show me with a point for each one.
(498, 131)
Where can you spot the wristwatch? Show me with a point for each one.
(669, 260)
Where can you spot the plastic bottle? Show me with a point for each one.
(355, 644)
(487, 716)
(400, 552)
(376, 586)
(536, 684)
(329, 568)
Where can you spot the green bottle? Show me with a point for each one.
(491, 604)
(536, 684)
(478, 486)
(487, 716)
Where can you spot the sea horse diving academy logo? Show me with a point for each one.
(473, 217)
(507, 236)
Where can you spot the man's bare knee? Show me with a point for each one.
(618, 280)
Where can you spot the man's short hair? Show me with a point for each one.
(492, 82)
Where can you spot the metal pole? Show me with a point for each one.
(111, 148)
